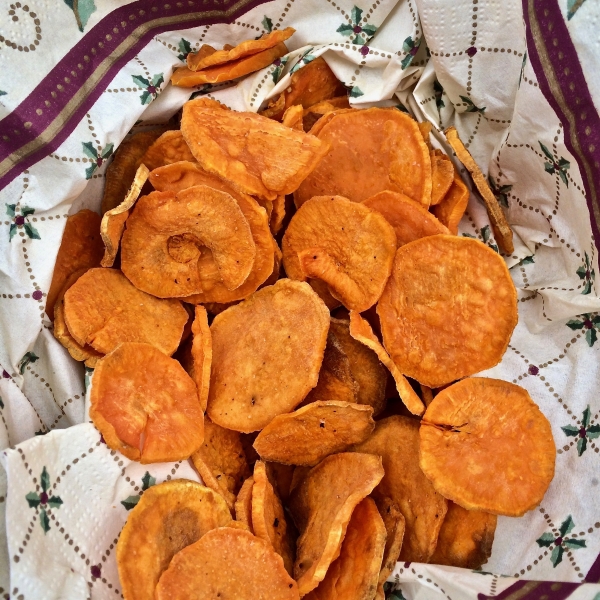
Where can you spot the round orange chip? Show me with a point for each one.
(487, 446)
(448, 310)
(453, 205)
(145, 405)
(227, 563)
(170, 147)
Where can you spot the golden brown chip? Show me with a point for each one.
(442, 176)
(448, 309)
(204, 51)
(343, 243)
(280, 477)
(201, 354)
(321, 506)
(169, 148)
(103, 309)
(425, 128)
(166, 231)
(113, 221)
(465, 539)
(322, 290)
(221, 461)
(391, 155)
(278, 214)
(409, 219)
(256, 155)
(243, 504)
(426, 394)
(396, 441)
(227, 563)
(500, 226)
(145, 405)
(313, 113)
(361, 331)
(81, 247)
(293, 117)
(487, 446)
(307, 436)
(453, 205)
(395, 525)
(267, 352)
(168, 517)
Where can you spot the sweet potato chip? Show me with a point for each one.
(201, 354)
(409, 219)
(391, 156)
(169, 148)
(448, 309)
(313, 113)
(426, 394)
(307, 436)
(162, 243)
(280, 477)
(500, 226)
(321, 507)
(268, 517)
(221, 461)
(293, 118)
(278, 215)
(425, 128)
(204, 51)
(267, 352)
(243, 504)
(103, 309)
(256, 155)
(322, 289)
(465, 539)
(487, 446)
(113, 221)
(361, 331)
(168, 517)
(442, 176)
(354, 573)
(395, 525)
(453, 205)
(227, 563)
(80, 248)
(396, 441)
(343, 243)
(145, 405)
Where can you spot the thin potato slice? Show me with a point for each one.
(248, 388)
(145, 405)
(442, 176)
(465, 539)
(322, 290)
(277, 215)
(169, 148)
(487, 446)
(425, 128)
(243, 504)
(227, 563)
(280, 477)
(395, 525)
(321, 506)
(448, 310)
(293, 118)
(201, 354)
(168, 517)
(343, 243)
(453, 205)
(313, 113)
(307, 436)
(103, 309)
(396, 441)
(256, 155)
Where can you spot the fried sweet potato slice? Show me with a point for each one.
(221, 461)
(313, 113)
(442, 176)
(145, 405)
(293, 118)
(278, 215)
(227, 563)
(391, 156)
(487, 446)
(243, 504)
(248, 387)
(280, 477)
(256, 155)
(201, 354)
(308, 435)
(395, 525)
(321, 506)
(343, 243)
(161, 245)
(453, 205)
(409, 219)
(103, 309)
(170, 147)
(168, 517)
(396, 441)
(80, 248)
(458, 308)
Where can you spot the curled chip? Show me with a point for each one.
(321, 506)
(395, 525)
(293, 118)
(221, 461)
(113, 221)
(465, 539)
(442, 176)
(453, 205)
(255, 154)
(80, 248)
(243, 504)
(487, 446)
(145, 405)
(396, 441)
(315, 431)
(168, 517)
(103, 309)
(343, 243)
(170, 147)
(313, 113)
(201, 354)
(268, 517)
(162, 243)
(448, 310)
(280, 477)
(391, 156)
(278, 215)
(361, 331)
(267, 352)
(409, 219)
(227, 563)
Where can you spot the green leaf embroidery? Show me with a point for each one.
(573, 324)
(586, 416)
(591, 337)
(2, 93)
(12, 231)
(572, 7)
(33, 499)
(593, 432)
(581, 446)
(566, 526)
(556, 556)
(570, 430)
(54, 502)
(546, 151)
(147, 481)
(45, 480)
(546, 539)
(141, 81)
(146, 98)
(29, 357)
(26, 211)
(130, 502)
(107, 152)
(356, 92)
(82, 9)
(184, 49)
(31, 231)
(44, 521)
(10, 209)
(528, 260)
(575, 544)
(267, 24)
(90, 171)
(89, 150)
(345, 29)
(369, 30)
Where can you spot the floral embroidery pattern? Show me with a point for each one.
(471, 108)
(304, 59)
(362, 33)
(28, 358)
(554, 165)
(98, 159)
(151, 88)
(500, 192)
(279, 66)
(184, 49)
(82, 9)
(561, 542)
(572, 7)
(411, 47)
(19, 217)
(584, 433)
(589, 322)
(587, 274)
(488, 240)
(131, 501)
(44, 501)
(356, 92)
(267, 24)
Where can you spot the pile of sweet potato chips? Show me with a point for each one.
(294, 313)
